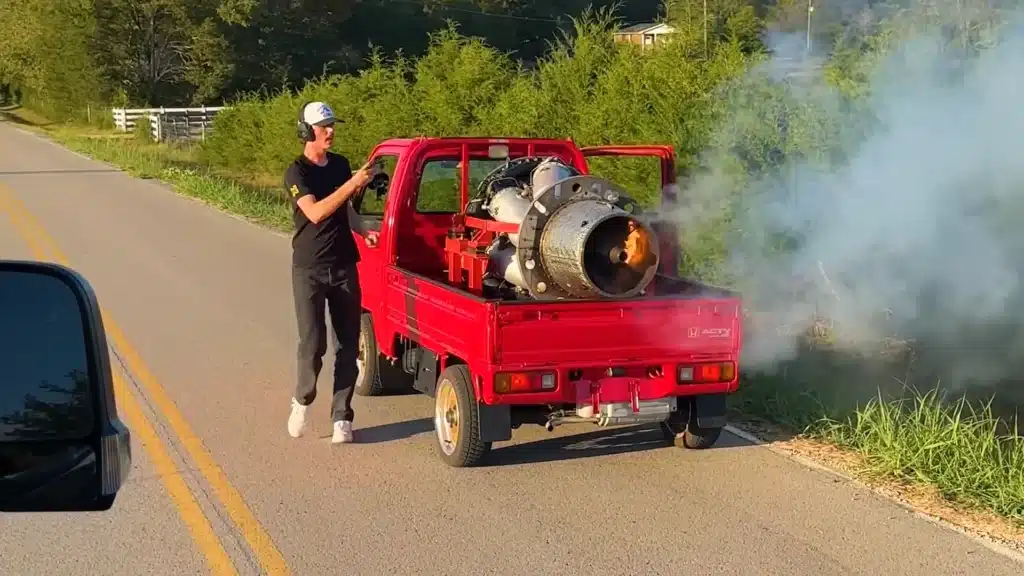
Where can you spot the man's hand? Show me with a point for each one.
(371, 239)
(363, 176)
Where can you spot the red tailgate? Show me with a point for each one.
(580, 333)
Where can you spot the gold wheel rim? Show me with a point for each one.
(446, 417)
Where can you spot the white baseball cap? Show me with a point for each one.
(318, 114)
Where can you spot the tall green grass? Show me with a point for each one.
(953, 445)
(966, 446)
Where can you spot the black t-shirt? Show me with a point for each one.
(330, 242)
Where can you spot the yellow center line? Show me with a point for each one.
(259, 540)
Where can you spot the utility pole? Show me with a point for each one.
(810, 10)
(706, 28)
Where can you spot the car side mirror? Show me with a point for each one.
(379, 184)
(62, 446)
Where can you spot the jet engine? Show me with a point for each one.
(579, 236)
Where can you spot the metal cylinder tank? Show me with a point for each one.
(547, 173)
(504, 261)
(509, 205)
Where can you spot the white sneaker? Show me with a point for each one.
(297, 420)
(342, 432)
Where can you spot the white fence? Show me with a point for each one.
(168, 123)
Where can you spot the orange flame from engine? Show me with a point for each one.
(638, 247)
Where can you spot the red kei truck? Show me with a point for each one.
(549, 338)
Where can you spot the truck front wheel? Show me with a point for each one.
(368, 383)
(376, 373)
(456, 419)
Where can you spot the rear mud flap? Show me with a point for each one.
(710, 410)
(426, 371)
(495, 422)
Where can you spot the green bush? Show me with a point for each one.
(588, 89)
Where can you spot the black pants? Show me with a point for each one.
(339, 289)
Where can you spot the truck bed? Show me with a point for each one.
(691, 321)
(588, 332)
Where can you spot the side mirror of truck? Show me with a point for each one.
(379, 184)
(62, 446)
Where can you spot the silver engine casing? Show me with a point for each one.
(560, 215)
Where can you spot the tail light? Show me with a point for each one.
(707, 372)
(519, 382)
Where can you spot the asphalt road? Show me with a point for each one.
(202, 320)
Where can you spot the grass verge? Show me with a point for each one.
(952, 445)
(250, 196)
(971, 455)
(945, 453)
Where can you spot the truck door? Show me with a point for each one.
(661, 202)
(371, 206)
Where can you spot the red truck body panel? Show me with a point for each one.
(616, 350)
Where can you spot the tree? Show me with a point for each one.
(44, 54)
(715, 22)
(140, 46)
(67, 413)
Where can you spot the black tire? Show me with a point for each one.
(377, 374)
(682, 430)
(467, 450)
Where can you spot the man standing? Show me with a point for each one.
(324, 256)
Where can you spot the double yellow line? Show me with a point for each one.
(272, 562)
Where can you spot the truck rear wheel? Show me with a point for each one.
(456, 420)
(683, 431)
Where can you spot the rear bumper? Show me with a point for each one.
(632, 385)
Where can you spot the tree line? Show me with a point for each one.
(62, 56)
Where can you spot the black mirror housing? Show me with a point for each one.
(379, 184)
(62, 446)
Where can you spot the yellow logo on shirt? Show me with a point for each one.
(295, 190)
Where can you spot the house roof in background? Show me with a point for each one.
(642, 27)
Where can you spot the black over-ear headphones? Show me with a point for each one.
(302, 129)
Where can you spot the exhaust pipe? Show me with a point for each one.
(558, 420)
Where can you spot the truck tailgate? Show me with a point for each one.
(588, 332)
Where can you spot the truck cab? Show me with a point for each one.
(491, 362)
